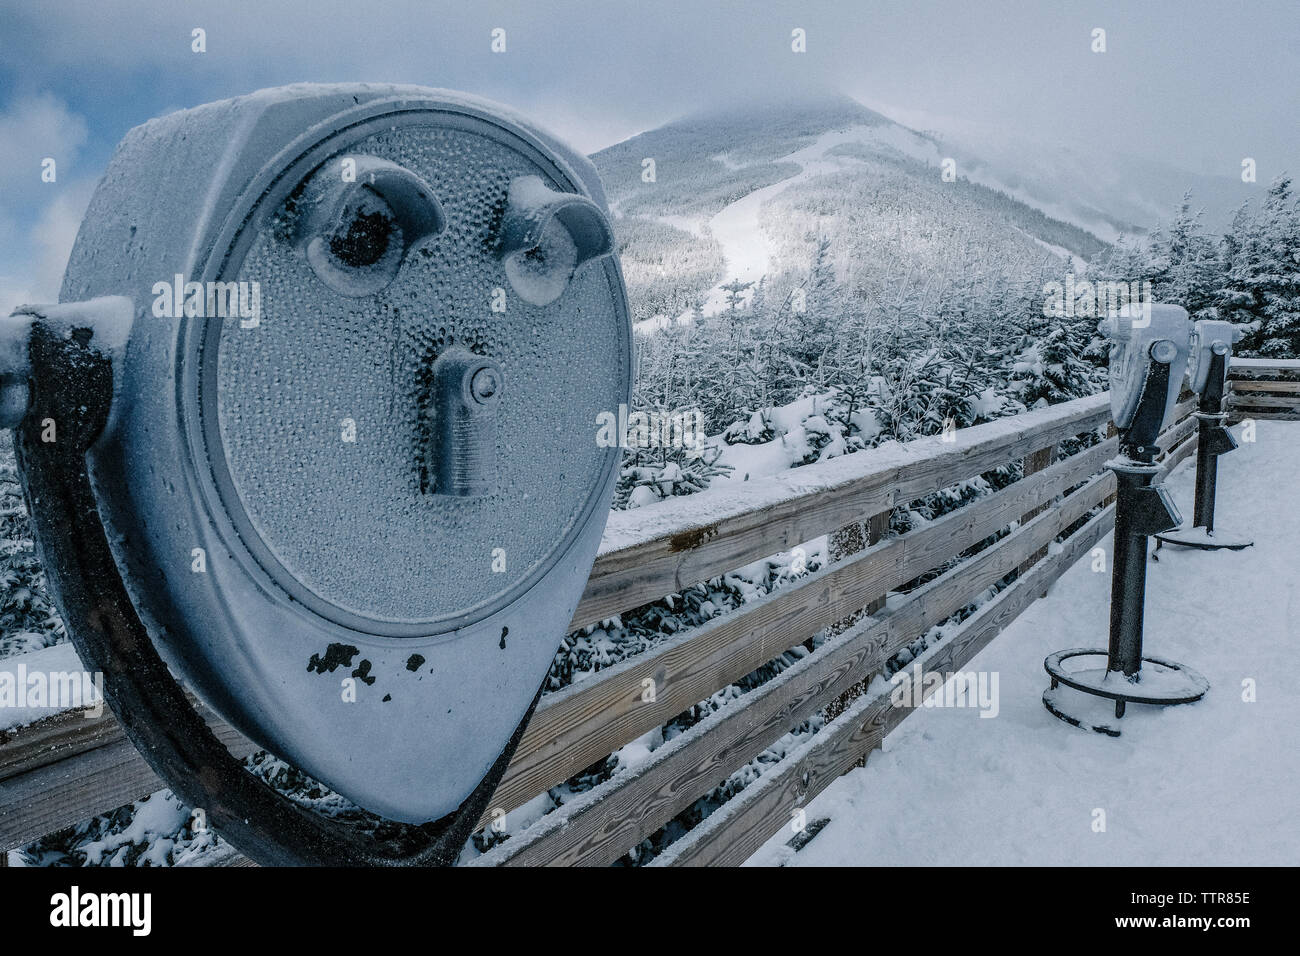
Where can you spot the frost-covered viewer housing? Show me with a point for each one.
(358, 522)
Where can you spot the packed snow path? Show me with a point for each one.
(746, 248)
(1213, 782)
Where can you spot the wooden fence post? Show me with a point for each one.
(1036, 461)
(1111, 432)
(846, 541)
(877, 528)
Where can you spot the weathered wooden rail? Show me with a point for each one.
(1264, 388)
(64, 768)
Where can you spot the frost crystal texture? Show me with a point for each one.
(353, 521)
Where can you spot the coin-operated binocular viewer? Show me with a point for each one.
(1148, 358)
(311, 431)
(1211, 352)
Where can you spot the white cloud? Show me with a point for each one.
(13, 293)
(36, 278)
(33, 128)
(41, 217)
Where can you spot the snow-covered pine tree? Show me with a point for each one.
(1051, 371)
(815, 311)
(1184, 267)
(1263, 280)
(735, 290)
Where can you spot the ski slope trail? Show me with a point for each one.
(746, 248)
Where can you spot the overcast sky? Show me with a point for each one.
(1198, 84)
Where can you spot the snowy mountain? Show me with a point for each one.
(751, 192)
(1103, 189)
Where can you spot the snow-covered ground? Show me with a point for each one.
(1214, 782)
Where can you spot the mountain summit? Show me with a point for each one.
(735, 195)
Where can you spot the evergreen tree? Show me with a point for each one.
(1263, 280)
(735, 290)
(1185, 267)
(816, 317)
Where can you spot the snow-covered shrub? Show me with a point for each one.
(28, 618)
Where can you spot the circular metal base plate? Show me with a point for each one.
(1082, 710)
(1074, 695)
(1204, 540)
(1163, 682)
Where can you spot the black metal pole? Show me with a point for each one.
(1209, 441)
(1129, 575)
(1207, 472)
(1137, 515)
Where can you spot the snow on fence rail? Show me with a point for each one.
(64, 768)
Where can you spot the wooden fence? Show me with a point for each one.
(65, 768)
(1263, 388)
